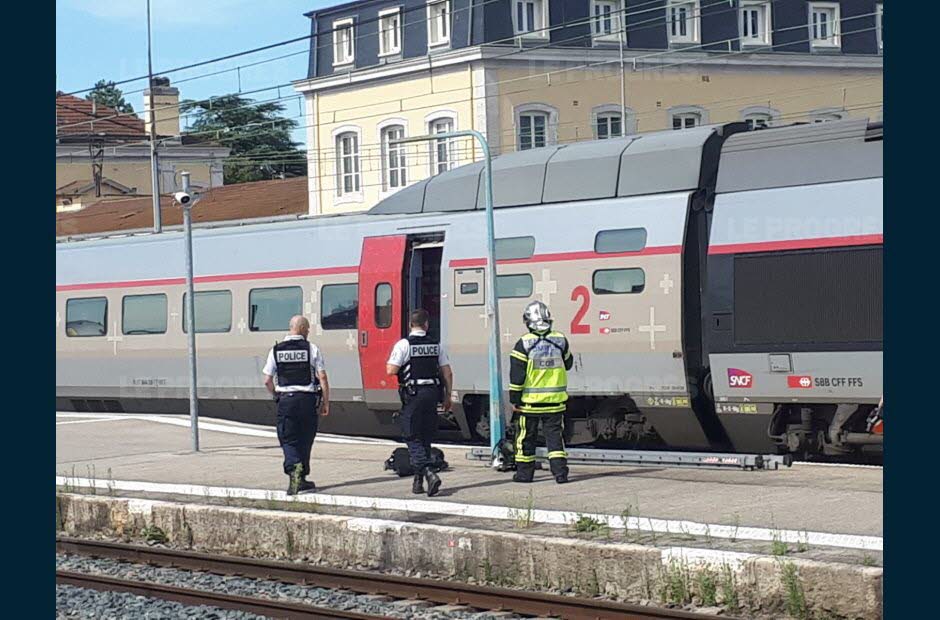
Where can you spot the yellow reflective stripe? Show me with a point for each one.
(515, 387)
(520, 437)
(525, 459)
(557, 454)
(552, 409)
(519, 356)
(567, 354)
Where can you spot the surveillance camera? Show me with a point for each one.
(183, 198)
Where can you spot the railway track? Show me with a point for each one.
(441, 592)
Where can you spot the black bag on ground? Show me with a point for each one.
(400, 462)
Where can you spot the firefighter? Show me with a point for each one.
(424, 380)
(538, 391)
(295, 375)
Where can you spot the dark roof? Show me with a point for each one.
(76, 118)
(229, 202)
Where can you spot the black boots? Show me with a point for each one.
(524, 472)
(434, 482)
(417, 485)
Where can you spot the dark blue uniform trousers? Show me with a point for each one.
(297, 420)
(419, 424)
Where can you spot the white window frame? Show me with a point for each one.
(616, 19)
(355, 195)
(834, 41)
(879, 18)
(686, 111)
(384, 16)
(759, 112)
(381, 128)
(451, 145)
(446, 22)
(629, 124)
(344, 24)
(694, 22)
(765, 23)
(537, 30)
(551, 125)
(825, 115)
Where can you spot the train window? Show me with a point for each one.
(339, 306)
(383, 305)
(620, 240)
(468, 284)
(270, 309)
(509, 248)
(143, 314)
(515, 285)
(86, 317)
(619, 281)
(213, 311)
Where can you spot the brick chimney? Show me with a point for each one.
(166, 101)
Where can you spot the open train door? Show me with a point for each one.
(380, 316)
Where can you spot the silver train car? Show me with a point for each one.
(721, 288)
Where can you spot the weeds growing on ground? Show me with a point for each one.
(523, 516)
(777, 546)
(153, 534)
(675, 583)
(729, 587)
(793, 588)
(706, 586)
(590, 525)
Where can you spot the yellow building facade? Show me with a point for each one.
(549, 97)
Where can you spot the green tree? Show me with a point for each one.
(259, 136)
(106, 93)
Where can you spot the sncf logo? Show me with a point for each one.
(738, 378)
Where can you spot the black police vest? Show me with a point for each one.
(422, 367)
(292, 360)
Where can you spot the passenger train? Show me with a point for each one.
(721, 288)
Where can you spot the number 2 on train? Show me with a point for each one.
(577, 327)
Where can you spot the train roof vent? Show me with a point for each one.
(665, 161)
(407, 200)
(518, 178)
(454, 190)
(799, 155)
(585, 170)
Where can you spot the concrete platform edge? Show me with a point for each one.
(762, 585)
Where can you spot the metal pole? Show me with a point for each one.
(190, 315)
(623, 94)
(154, 166)
(497, 425)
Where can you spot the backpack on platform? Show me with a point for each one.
(400, 462)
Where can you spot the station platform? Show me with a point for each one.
(818, 513)
(803, 498)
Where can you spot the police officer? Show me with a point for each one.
(538, 391)
(294, 373)
(422, 368)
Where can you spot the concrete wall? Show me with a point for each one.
(625, 571)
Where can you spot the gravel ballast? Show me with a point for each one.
(73, 602)
(69, 601)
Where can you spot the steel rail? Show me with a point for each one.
(453, 593)
(187, 596)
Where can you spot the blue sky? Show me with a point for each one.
(107, 39)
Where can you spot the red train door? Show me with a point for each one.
(380, 315)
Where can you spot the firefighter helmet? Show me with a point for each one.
(537, 317)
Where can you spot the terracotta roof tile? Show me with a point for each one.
(73, 115)
(229, 202)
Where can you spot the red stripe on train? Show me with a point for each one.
(565, 256)
(232, 277)
(797, 244)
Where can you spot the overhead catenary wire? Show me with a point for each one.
(546, 74)
(425, 160)
(547, 29)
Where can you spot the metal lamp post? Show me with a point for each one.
(187, 201)
(497, 427)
